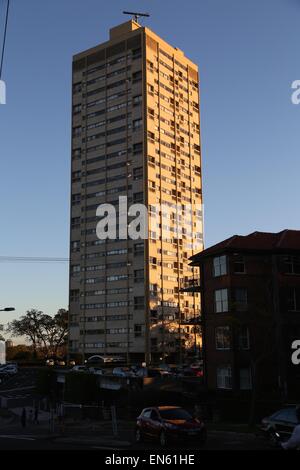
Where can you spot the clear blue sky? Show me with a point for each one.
(248, 54)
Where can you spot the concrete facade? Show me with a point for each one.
(135, 133)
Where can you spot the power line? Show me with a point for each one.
(4, 38)
(32, 259)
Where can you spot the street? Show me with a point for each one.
(16, 438)
(18, 391)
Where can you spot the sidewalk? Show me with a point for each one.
(81, 433)
(97, 441)
(96, 433)
(43, 416)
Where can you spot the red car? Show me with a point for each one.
(169, 424)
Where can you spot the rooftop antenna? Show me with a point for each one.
(136, 15)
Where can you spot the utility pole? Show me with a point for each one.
(4, 38)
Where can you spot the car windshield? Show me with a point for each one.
(175, 413)
(287, 415)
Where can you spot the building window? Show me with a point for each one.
(292, 264)
(221, 300)
(137, 76)
(138, 197)
(139, 248)
(137, 124)
(75, 246)
(150, 89)
(74, 295)
(75, 222)
(77, 87)
(75, 268)
(136, 53)
(137, 148)
(73, 345)
(244, 338)
(76, 131)
(76, 199)
(153, 260)
(239, 264)
(151, 113)
(77, 109)
(224, 378)
(76, 154)
(151, 137)
(138, 173)
(139, 275)
(223, 340)
(136, 100)
(76, 175)
(293, 299)
(138, 330)
(245, 379)
(241, 298)
(220, 266)
(139, 303)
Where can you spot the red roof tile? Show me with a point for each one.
(256, 241)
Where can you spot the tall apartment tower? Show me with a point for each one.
(135, 133)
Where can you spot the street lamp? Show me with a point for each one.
(7, 309)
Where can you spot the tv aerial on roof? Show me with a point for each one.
(136, 15)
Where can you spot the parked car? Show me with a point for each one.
(196, 365)
(135, 367)
(281, 422)
(79, 369)
(169, 369)
(96, 370)
(191, 372)
(9, 369)
(148, 372)
(123, 372)
(50, 362)
(60, 363)
(168, 424)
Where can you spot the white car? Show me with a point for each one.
(96, 370)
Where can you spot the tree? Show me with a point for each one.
(29, 326)
(56, 331)
(1, 337)
(43, 331)
(20, 352)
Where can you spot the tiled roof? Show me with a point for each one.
(256, 241)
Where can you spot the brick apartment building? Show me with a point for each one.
(250, 289)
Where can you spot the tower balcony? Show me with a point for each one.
(190, 284)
